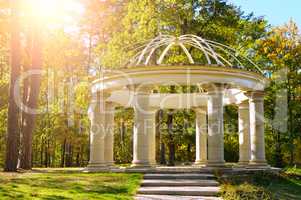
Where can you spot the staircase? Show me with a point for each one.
(178, 186)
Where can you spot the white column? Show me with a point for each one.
(109, 137)
(201, 136)
(244, 133)
(256, 101)
(144, 130)
(97, 132)
(151, 130)
(216, 125)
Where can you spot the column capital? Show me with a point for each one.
(111, 104)
(97, 104)
(200, 109)
(154, 109)
(100, 97)
(255, 95)
(215, 87)
(244, 104)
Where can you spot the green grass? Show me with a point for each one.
(68, 185)
(265, 186)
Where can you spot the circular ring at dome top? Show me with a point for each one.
(208, 53)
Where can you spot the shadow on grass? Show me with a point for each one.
(11, 193)
(55, 197)
(287, 188)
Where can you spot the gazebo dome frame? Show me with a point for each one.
(216, 54)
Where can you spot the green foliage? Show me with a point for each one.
(231, 144)
(279, 52)
(143, 20)
(62, 132)
(123, 136)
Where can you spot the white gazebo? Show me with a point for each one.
(223, 76)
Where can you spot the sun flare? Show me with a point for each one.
(53, 11)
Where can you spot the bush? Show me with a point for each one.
(247, 187)
(245, 191)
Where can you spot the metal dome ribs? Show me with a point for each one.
(215, 53)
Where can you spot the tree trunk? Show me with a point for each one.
(42, 152)
(26, 87)
(158, 136)
(77, 160)
(162, 154)
(189, 152)
(122, 132)
(171, 144)
(46, 156)
(63, 153)
(171, 161)
(278, 153)
(53, 155)
(49, 154)
(30, 117)
(13, 132)
(69, 155)
(161, 143)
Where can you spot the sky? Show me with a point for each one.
(277, 12)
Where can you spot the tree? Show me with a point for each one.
(280, 53)
(13, 134)
(32, 97)
(4, 76)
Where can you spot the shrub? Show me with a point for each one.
(245, 191)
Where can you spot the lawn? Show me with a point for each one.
(263, 186)
(60, 184)
(56, 185)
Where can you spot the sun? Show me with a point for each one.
(48, 8)
(53, 11)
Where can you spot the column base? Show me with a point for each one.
(110, 164)
(142, 164)
(243, 163)
(258, 164)
(201, 163)
(97, 167)
(217, 163)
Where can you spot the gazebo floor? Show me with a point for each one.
(227, 169)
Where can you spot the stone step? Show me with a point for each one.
(174, 197)
(178, 182)
(179, 176)
(150, 171)
(176, 170)
(184, 191)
